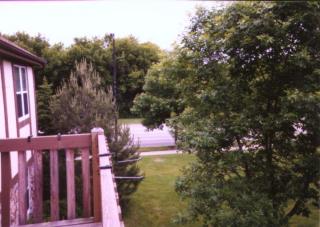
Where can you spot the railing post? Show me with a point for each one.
(54, 185)
(38, 186)
(86, 193)
(71, 198)
(22, 187)
(5, 189)
(95, 132)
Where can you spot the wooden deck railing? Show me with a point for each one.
(80, 144)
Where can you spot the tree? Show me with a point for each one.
(133, 61)
(251, 113)
(81, 104)
(160, 97)
(44, 94)
(35, 44)
(57, 65)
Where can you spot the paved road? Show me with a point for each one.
(154, 138)
(153, 153)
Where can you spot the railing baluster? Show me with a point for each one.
(54, 184)
(22, 187)
(71, 198)
(5, 189)
(38, 187)
(86, 195)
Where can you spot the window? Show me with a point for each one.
(20, 75)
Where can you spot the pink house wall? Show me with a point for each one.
(14, 130)
(32, 98)
(16, 127)
(11, 112)
(2, 119)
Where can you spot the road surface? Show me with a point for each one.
(154, 153)
(154, 138)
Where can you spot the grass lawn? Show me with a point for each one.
(156, 203)
(312, 221)
(128, 121)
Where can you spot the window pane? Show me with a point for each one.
(19, 104)
(24, 79)
(25, 100)
(16, 78)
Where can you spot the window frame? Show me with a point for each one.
(19, 78)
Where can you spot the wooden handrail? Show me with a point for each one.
(111, 212)
(46, 142)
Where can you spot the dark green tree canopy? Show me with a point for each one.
(44, 116)
(133, 59)
(160, 98)
(83, 103)
(250, 99)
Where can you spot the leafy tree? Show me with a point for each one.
(55, 55)
(81, 104)
(35, 44)
(94, 51)
(44, 94)
(251, 113)
(160, 98)
(57, 66)
(133, 61)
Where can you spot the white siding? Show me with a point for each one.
(32, 98)
(2, 118)
(24, 133)
(10, 99)
(7, 69)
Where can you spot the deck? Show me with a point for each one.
(100, 199)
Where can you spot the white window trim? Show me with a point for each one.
(24, 116)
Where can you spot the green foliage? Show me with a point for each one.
(93, 50)
(35, 44)
(44, 94)
(251, 112)
(133, 59)
(55, 68)
(81, 104)
(160, 98)
(156, 204)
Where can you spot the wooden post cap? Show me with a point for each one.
(97, 130)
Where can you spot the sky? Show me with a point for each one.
(160, 22)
